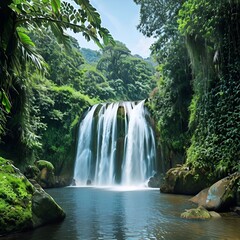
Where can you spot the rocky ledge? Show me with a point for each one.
(43, 173)
(185, 180)
(219, 195)
(23, 205)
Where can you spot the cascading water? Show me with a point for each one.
(116, 145)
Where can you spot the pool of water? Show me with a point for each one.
(118, 213)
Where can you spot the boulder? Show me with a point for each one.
(199, 213)
(200, 198)
(23, 205)
(89, 182)
(46, 176)
(221, 195)
(44, 208)
(185, 180)
(43, 173)
(32, 172)
(155, 181)
(196, 213)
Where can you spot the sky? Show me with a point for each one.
(121, 18)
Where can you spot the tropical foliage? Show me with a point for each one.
(215, 114)
(172, 97)
(40, 110)
(208, 32)
(20, 118)
(18, 17)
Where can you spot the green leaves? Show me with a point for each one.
(56, 4)
(24, 38)
(5, 101)
(92, 15)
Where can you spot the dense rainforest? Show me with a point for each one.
(196, 104)
(41, 109)
(48, 80)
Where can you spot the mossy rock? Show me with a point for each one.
(44, 208)
(18, 202)
(196, 213)
(15, 199)
(32, 172)
(46, 176)
(41, 164)
(185, 180)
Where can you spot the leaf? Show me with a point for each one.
(24, 38)
(56, 4)
(15, 8)
(5, 101)
(92, 14)
(107, 37)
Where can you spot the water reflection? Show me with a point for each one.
(94, 213)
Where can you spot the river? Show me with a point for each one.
(118, 213)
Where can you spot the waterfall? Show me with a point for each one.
(116, 145)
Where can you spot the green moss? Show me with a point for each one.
(45, 164)
(6, 166)
(196, 213)
(15, 199)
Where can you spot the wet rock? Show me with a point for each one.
(221, 195)
(236, 210)
(196, 213)
(73, 182)
(89, 182)
(214, 214)
(44, 208)
(23, 205)
(184, 180)
(155, 181)
(200, 198)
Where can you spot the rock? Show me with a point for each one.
(32, 172)
(196, 213)
(184, 180)
(73, 182)
(200, 198)
(221, 195)
(46, 177)
(44, 208)
(43, 173)
(214, 214)
(22, 205)
(15, 199)
(89, 182)
(236, 210)
(155, 181)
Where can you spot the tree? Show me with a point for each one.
(17, 17)
(213, 42)
(171, 99)
(130, 76)
(111, 58)
(90, 55)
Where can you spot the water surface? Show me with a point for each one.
(113, 213)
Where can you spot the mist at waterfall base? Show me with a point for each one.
(116, 146)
